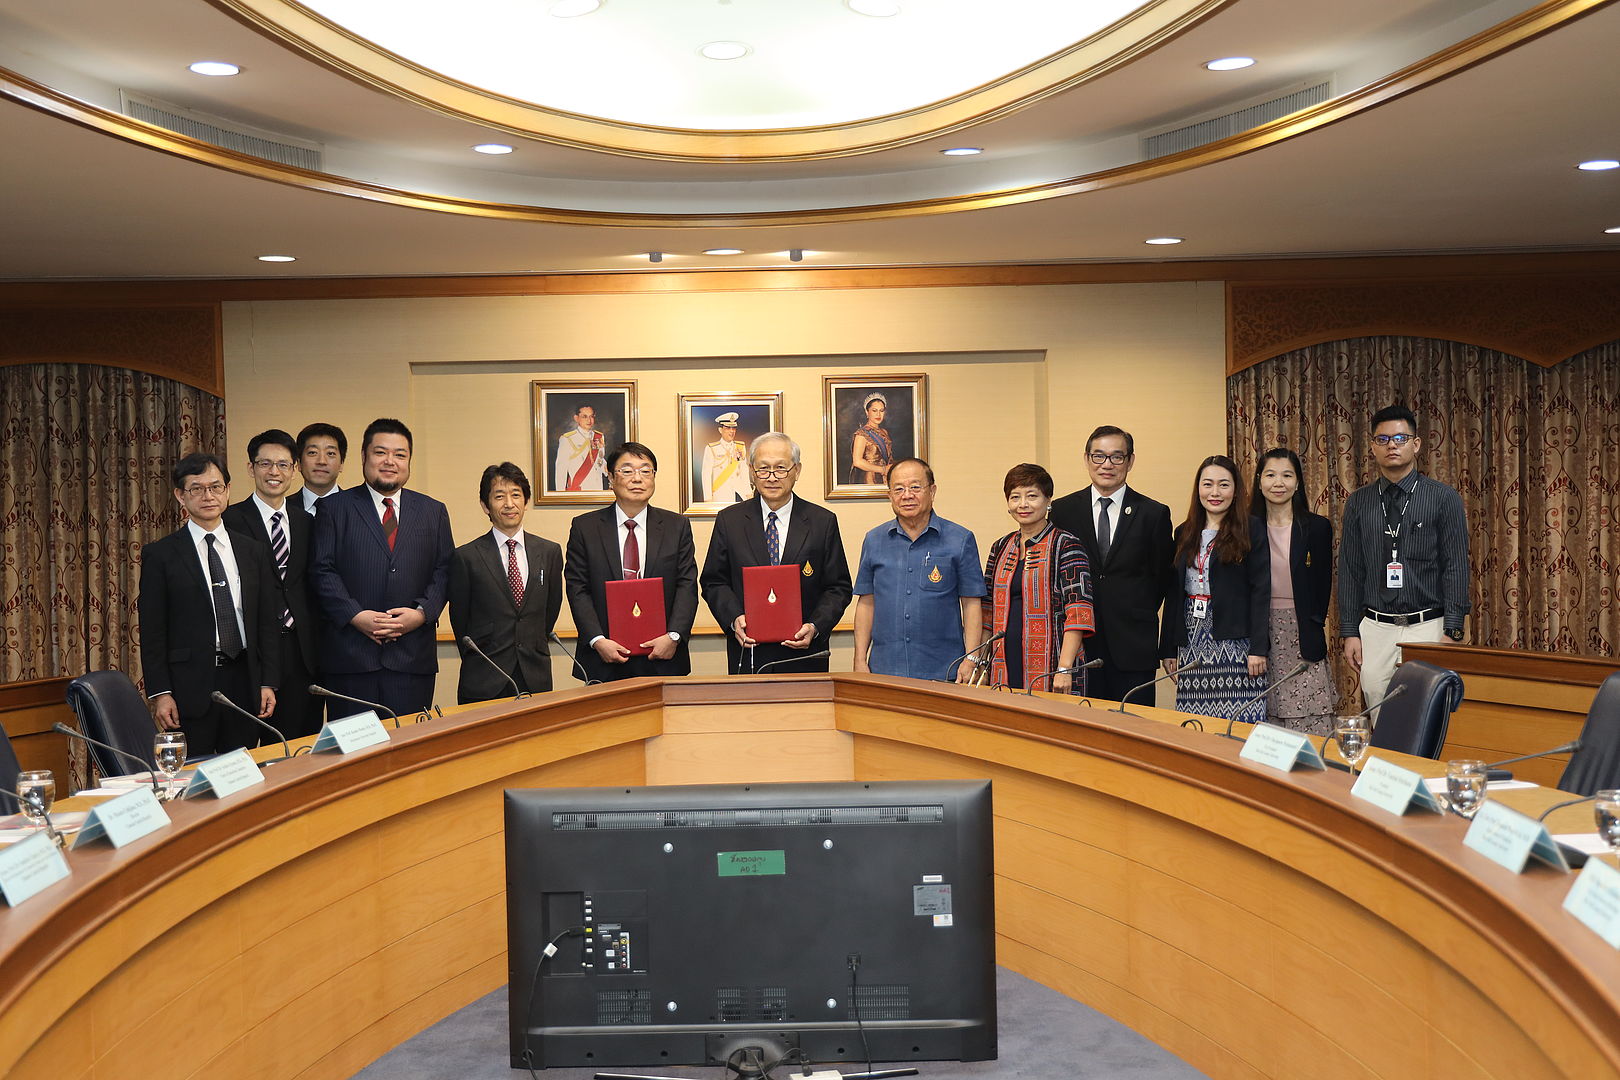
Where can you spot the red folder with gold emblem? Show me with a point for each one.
(771, 602)
(635, 611)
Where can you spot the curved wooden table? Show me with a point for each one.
(1253, 923)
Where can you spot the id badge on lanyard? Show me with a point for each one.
(1394, 573)
(1200, 608)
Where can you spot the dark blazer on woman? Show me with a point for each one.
(1240, 597)
(1310, 559)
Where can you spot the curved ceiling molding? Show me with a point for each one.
(1505, 36)
(1138, 33)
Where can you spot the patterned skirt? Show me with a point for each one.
(1306, 703)
(1221, 681)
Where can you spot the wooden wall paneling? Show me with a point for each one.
(179, 339)
(27, 711)
(715, 744)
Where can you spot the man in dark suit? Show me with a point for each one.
(207, 608)
(629, 539)
(1127, 540)
(380, 569)
(321, 451)
(279, 524)
(505, 592)
(770, 529)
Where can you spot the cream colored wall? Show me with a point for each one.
(1015, 374)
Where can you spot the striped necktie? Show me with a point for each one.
(278, 546)
(390, 524)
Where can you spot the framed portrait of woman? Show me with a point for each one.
(871, 421)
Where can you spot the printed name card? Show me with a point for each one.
(350, 734)
(128, 817)
(1595, 900)
(1510, 839)
(30, 865)
(1279, 748)
(1390, 787)
(225, 775)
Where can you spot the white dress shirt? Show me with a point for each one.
(1117, 500)
(376, 500)
(782, 517)
(227, 558)
(310, 498)
(522, 556)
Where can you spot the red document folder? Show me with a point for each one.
(636, 612)
(771, 602)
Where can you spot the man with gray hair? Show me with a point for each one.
(776, 528)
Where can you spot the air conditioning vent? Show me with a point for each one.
(269, 145)
(1209, 129)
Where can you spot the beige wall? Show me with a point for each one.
(1015, 374)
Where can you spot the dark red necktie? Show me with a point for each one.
(513, 575)
(390, 523)
(632, 551)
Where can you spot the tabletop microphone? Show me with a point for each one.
(1494, 770)
(1379, 704)
(149, 768)
(322, 691)
(1567, 802)
(794, 660)
(218, 698)
(584, 675)
(1299, 669)
(1188, 666)
(1075, 670)
(950, 669)
(473, 645)
(50, 826)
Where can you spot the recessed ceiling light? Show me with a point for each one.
(493, 148)
(278, 258)
(963, 151)
(724, 50)
(568, 9)
(214, 67)
(722, 251)
(1230, 63)
(1615, 230)
(1163, 240)
(877, 9)
(1599, 165)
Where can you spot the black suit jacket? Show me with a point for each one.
(176, 610)
(592, 561)
(1310, 564)
(1239, 597)
(1128, 586)
(482, 608)
(243, 517)
(813, 543)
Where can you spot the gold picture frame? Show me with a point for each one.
(708, 482)
(901, 432)
(564, 475)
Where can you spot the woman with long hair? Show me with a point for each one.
(1040, 592)
(872, 451)
(1301, 550)
(1217, 601)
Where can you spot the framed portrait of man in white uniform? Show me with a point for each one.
(576, 425)
(716, 429)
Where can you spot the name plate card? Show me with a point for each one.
(225, 775)
(1595, 900)
(1279, 748)
(30, 865)
(1390, 787)
(1510, 839)
(350, 734)
(128, 817)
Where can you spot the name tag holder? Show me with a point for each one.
(1511, 839)
(224, 775)
(128, 817)
(30, 866)
(1594, 899)
(1392, 788)
(1279, 748)
(351, 733)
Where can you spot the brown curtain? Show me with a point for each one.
(84, 482)
(1535, 453)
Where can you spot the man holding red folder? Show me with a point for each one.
(631, 577)
(776, 576)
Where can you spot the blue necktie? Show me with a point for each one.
(773, 539)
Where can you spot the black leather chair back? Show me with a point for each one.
(1596, 765)
(1416, 722)
(112, 710)
(9, 768)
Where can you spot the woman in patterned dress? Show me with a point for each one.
(1217, 603)
(1040, 592)
(872, 452)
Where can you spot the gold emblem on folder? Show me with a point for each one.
(807, 571)
(933, 575)
(771, 599)
(635, 610)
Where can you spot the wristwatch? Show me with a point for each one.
(1455, 635)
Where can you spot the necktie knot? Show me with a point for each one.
(773, 539)
(632, 551)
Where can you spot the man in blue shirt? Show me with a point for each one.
(919, 586)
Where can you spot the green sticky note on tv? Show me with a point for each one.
(752, 863)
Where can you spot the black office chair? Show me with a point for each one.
(112, 710)
(9, 768)
(1416, 722)
(1596, 765)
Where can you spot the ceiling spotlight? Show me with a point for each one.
(877, 9)
(278, 258)
(1599, 165)
(214, 67)
(724, 50)
(1614, 231)
(1229, 63)
(963, 151)
(722, 251)
(1163, 240)
(493, 148)
(796, 254)
(568, 9)
(655, 256)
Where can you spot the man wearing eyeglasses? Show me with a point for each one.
(1403, 557)
(631, 539)
(1127, 540)
(282, 526)
(207, 608)
(777, 528)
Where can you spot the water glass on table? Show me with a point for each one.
(1465, 786)
(169, 751)
(1606, 812)
(36, 794)
(1354, 737)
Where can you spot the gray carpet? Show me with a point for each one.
(1041, 1034)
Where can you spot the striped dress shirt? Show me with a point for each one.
(1431, 546)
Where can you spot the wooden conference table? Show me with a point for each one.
(1253, 922)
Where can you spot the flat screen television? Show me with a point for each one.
(693, 921)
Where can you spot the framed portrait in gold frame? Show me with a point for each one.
(576, 425)
(870, 421)
(715, 430)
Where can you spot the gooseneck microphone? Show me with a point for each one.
(473, 645)
(1494, 770)
(1029, 691)
(982, 661)
(1188, 666)
(584, 675)
(322, 691)
(149, 768)
(794, 660)
(1560, 805)
(1299, 669)
(218, 698)
(1395, 693)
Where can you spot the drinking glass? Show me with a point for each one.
(169, 751)
(36, 793)
(1606, 811)
(1465, 786)
(1354, 736)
